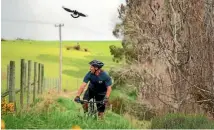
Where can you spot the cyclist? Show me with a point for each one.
(99, 87)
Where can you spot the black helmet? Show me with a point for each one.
(96, 63)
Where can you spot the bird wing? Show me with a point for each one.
(81, 14)
(68, 10)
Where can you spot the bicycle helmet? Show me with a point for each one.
(96, 63)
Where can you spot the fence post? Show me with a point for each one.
(29, 84)
(42, 76)
(22, 84)
(35, 82)
(8, 76)
(38, 91)
(12, 93)
(25, 76)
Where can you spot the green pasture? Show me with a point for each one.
(75, 63)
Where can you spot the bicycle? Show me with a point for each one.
(92, 108)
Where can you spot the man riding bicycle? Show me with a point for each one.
(99, 87)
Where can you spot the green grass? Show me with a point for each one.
(125, 93)
(181, 121)
(75, 66)
(75, 63)
(55, 118)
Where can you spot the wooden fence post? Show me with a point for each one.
(29, 84)
(25, 76)
(38, 91)
(12, 93)
(42, 76)
(8, 77)
(22, 84)
(35, 82)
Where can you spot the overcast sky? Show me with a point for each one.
(35, 19)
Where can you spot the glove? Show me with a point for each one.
(77, 99)
(106, 100)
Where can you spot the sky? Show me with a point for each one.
(36, 19)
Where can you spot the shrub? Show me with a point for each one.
(140, 111)
(68, 47)
(85, 49)
(180, 121)
(76, 47)
(118, 105)
(2, 39)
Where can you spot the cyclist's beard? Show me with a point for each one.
(94, 71)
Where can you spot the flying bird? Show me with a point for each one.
(74, 13)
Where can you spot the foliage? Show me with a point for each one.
(123, 103)
(77, 47)
(7, 107)
(140, 111)
(118, 105)
(181, 121)
(172, 41)
(56, 118)
(117, 53)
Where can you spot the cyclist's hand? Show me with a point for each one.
(105, 100)
(77, 99)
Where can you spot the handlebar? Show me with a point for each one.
(84, 101)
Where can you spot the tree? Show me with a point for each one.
(169, 47)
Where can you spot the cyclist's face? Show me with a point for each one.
(92, 69)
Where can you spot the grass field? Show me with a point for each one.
(75, 63)
(62, 113)
(75, 66)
